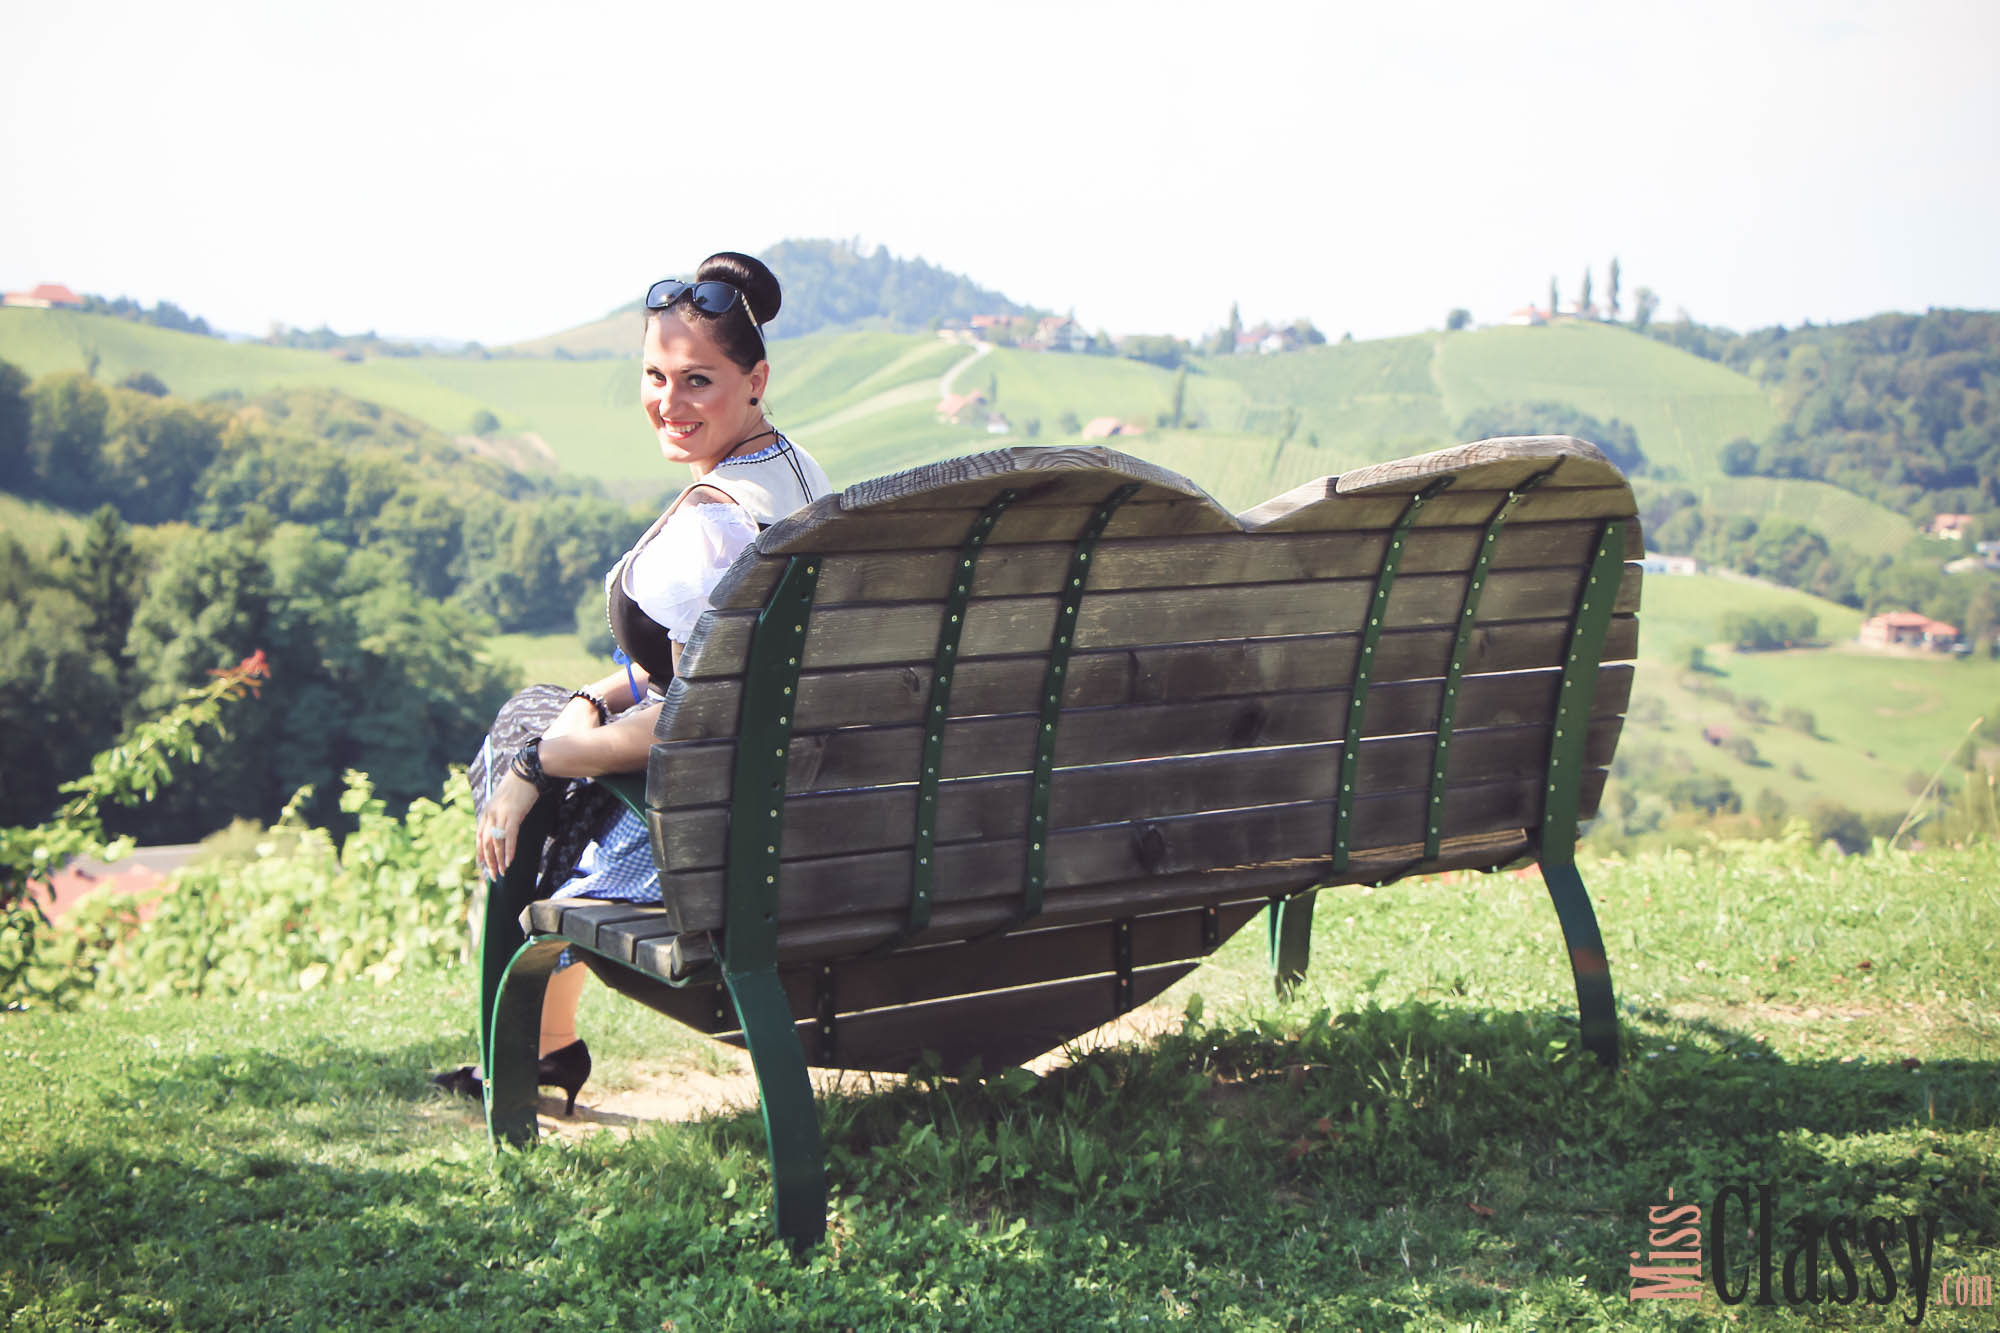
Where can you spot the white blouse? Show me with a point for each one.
(671, 576)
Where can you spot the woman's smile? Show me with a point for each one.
(702, 405)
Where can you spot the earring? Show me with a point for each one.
(753, 400)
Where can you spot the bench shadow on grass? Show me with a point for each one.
(1383, 1134)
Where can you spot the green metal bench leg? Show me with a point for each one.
(513, 1043)
(791, 1122)
(501, 936)
(1291, 922)
(1595, 1005)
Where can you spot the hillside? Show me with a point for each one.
(830, 287)
(1879, 718)
(866, 402)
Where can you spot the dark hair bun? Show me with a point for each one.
(747, 274)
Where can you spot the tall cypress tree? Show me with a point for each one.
(108, 576)
(1611, 285)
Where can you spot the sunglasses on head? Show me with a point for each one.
(711, 297)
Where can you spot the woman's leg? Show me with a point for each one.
(559, 1002)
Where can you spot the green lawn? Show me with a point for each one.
(1414, 1142)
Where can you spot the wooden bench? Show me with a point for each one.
(977, 757)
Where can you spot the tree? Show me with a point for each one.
(1224, 343)
(1180, 398)
(109, 580)
(1611, 288)
(483, 423)
(16, 417)
(1643, 306)
(1553, 296)
(66, 438)
(1739, 457)
(1458, 319)
(1583, 301)
(145, 381)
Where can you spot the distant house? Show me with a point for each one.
(992, 326)
(46, 296)
(1060, 334)
(1527, 316)
(1653, 563)
(1907, 629)
(1950, 527)
(1266, 340)
(954, 406)
(1103, 428)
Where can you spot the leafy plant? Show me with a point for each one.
(132, 771)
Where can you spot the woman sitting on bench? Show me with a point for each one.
(703, 387)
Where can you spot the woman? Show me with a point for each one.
(703, 386)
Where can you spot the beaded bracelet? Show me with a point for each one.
(603, 709)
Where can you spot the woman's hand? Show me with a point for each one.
(499, 831)
(579, 714)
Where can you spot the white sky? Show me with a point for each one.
(497, 171)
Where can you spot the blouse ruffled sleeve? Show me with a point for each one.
(672, 577)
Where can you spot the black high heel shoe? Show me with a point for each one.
(568, 1069)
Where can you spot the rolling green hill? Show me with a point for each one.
(865, 402)
(1880, 718)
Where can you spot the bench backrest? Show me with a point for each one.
(1066, 686)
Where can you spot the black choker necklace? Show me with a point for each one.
(746, 439)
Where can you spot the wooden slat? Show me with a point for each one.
(844, 822)
(1497, 463)
(1039, 568)
(1026, 958)
(1045, 472)
(698, 773)
(876, 633)
(878, 881)
(999, 1028)
(610, 928)
(844, 697)
(819, 939)
(1456, 507)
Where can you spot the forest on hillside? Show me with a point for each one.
(1904, 409)
(838, 285)
(366, 555)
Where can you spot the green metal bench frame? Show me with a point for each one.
(515, 967)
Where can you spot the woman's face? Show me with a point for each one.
(698, 400)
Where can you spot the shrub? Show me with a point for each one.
(1835, 823)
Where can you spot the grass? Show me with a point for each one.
(38, 526)
(1413, 1142)
(1879, 717)
(557, 658)
(1843, 517)
(1685, 409)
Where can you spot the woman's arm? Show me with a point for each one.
(616, 747)
(615, 691)
(620, 746)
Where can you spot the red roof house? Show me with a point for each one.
(45, 296)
